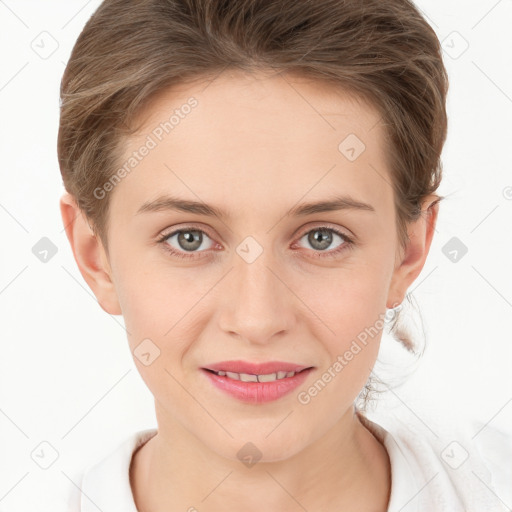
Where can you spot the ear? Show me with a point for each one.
(89, 254)
(411, 260)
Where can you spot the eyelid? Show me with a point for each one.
(317, 225)
(326, 225)
(349, 240)
(166, 233)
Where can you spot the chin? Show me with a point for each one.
(249, 448)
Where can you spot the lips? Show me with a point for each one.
(265, 368)
(256, 383)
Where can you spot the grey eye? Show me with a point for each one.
(321, 239)
(189, 240)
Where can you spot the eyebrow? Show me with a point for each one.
(164, 203)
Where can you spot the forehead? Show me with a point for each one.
(275, 138)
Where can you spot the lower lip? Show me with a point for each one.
(258, 392)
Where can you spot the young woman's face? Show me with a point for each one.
(261, 282)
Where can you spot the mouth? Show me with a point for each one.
(250, 377)
(251, 372)
(256, 382)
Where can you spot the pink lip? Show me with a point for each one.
(255, 368)
(257, 392)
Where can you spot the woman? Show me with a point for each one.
(251, 185)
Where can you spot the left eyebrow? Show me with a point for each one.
(337, 203)
(163, 203)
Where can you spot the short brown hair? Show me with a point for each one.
(384, 51)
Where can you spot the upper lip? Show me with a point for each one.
(255, 368)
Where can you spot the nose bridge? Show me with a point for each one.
(258, 304)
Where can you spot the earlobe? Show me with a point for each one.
(89, 255)
(413, 258)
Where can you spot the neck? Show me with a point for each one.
(347, 468)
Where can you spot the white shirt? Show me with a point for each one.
(454, 472)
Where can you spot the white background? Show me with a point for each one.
(66, 373)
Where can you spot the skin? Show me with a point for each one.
(256, 146)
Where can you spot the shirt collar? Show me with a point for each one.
(106, 485)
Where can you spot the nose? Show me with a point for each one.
(258, 303)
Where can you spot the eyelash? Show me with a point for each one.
(348, 242)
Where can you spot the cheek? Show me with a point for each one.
(346, 300)
(351, 309)
(164, 305)
(155, 315)
(350, 304)
(162, 302)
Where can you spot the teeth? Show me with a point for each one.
(267, 378)
(247, 377)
